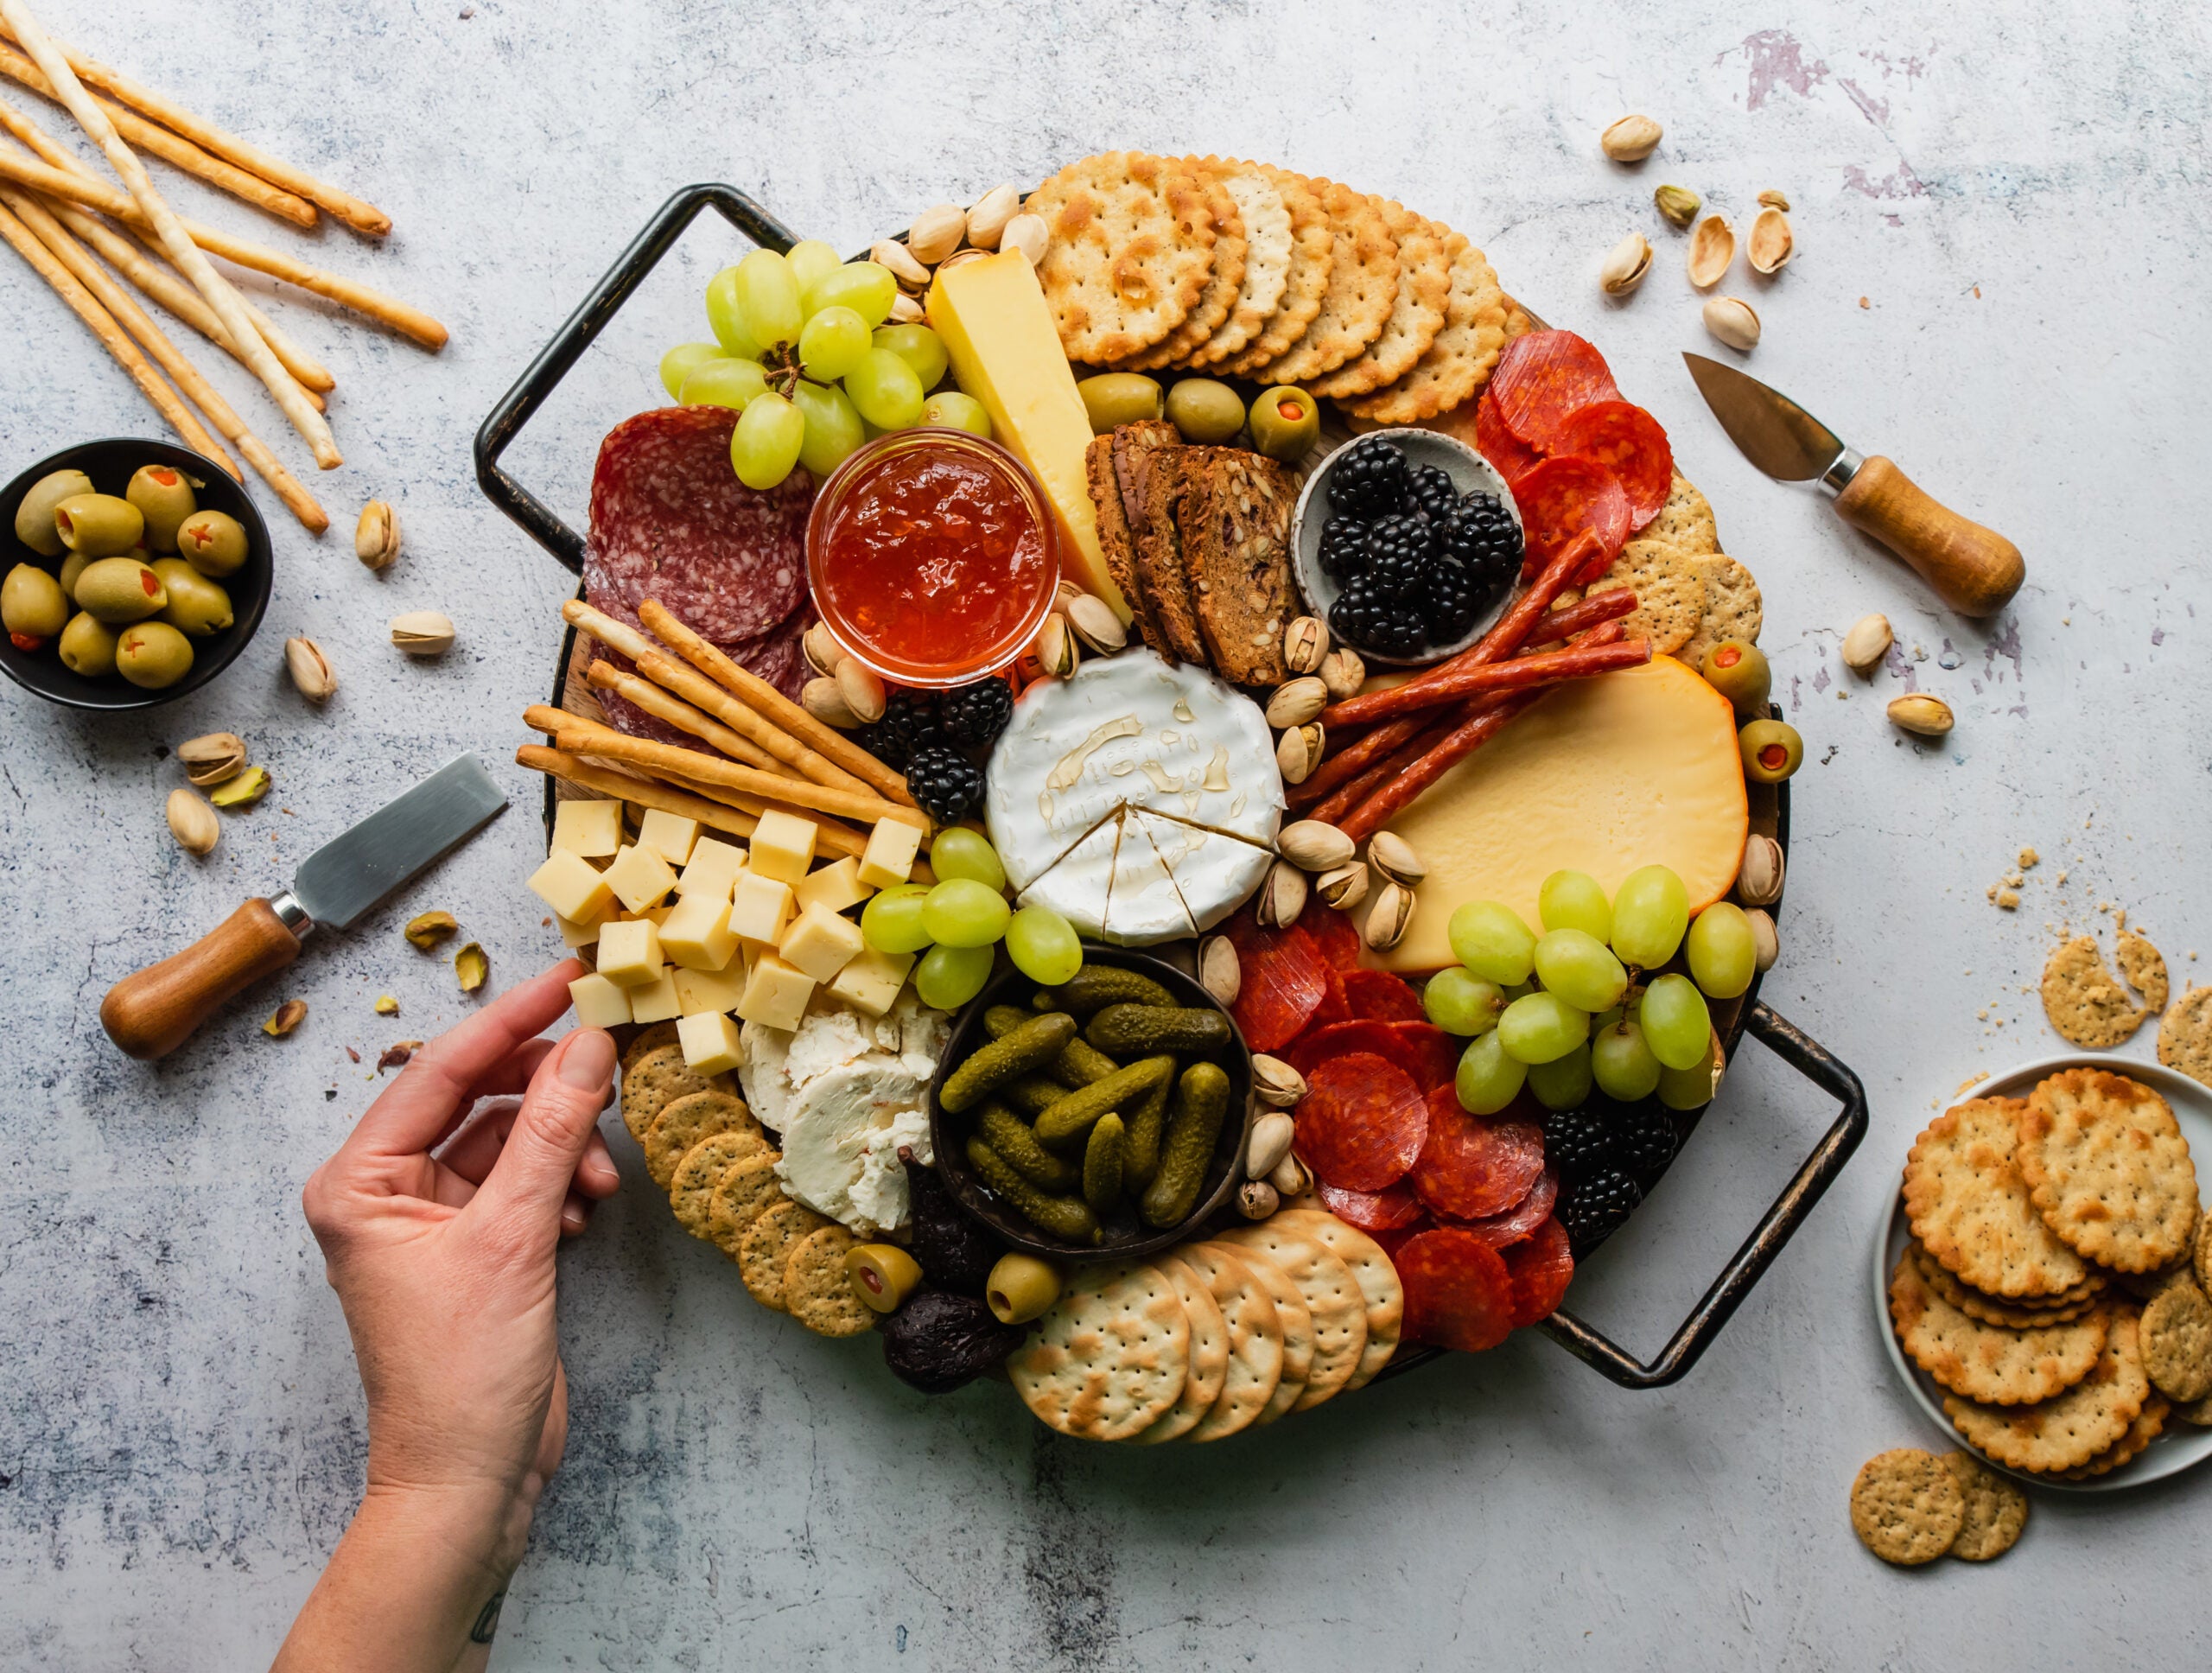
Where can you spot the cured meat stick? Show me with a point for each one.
(1413, 737)
(1540, 668)
(606, 676)
(716, 815)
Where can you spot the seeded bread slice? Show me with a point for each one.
(1236, 510)
(1102, 463)
(1161, 570)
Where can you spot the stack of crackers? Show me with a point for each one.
(1908, 1507)
(2054, 1282)
(1219, 1336)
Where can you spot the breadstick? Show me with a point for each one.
(112, 338)
(679, 714)
(175, 239)
(615, 635)
(608, 782)
(709, 769)
(763, 697)
(362, 217)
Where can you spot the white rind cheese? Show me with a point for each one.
(1213, 873)
(1076, 884)
(1144, 906)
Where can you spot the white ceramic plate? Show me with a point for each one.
(2181, 1445)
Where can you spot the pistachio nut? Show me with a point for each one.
(211, 758)
(1766, 946)
(1290, 1178)
(1313, 845)
(1028, 233)
(1064, 593)
(193, 823)
(959, 258)
(824, 699)
(1770, 242)
(861, 687)
(309, 668)
(425, 930)
(1256, 1199)
(395, 1055)
(1758, 878)
(1096, 624)
(286, 1017)
(1732, 321)
(891, 253)
(422, 634)
(1342, 887)
(242, 790)
(1274, 1083)
(936, 232)
(1342, 673)
(1678, 204)
(1631, 139)
(1297, 701)
(1220, 972)
(1269, 1143)
(1393, 857)
(376, 537)
(1624, 265)
(1388, 918)
(1305, 645)
(1297, 751)
(822, 652)
(1713, 248)
(1282, 896)
(1057, 653)
(387, 1006)
(989, 214)
(905, 310)
(1773, 200)
(1867, 644)
(1930, 717)
(470, 967)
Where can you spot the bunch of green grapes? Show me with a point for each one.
(1568, 1009)
(957, 923)
(804, 353)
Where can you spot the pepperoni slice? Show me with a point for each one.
(1562, 497)
(1334, 1008)
(1541, 1269)
(1391, 1209)
(1543, 379)
(1507, 453)
(1393, 1241)
(1431, 1056)
(1627, 441)
(1458, 1294)
(1472, 1167)
(1318, 1045)
(1503, 1231)
(1383, 997)
(1333, 933)
(1284, 983)
(1362, 1121)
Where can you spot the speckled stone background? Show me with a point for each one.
(2002, 210)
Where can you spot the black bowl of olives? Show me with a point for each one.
(131, 572)
(1113, 1132)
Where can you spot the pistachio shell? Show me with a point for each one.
(1256, 1199)
(309, 668)
(1930, 717)
(1057, 652)
(905, 310)
(1343, 671)
(1867, 644)
(1313, 845)
(1270, 1142)
(1274, 1083)
(861, 687)
(1758, 879)
(989, 214)
(286, 1017)
(1713, 248)
(1342, 888)
(1297, 701)
(210, 759)
(1220, 972)
(936, 232)
(1765, 944)
(1771, 243)
(1773, 200)
(422, 634)
(1282, 896)
(1631, 139)
(824, 699)
(1096, 624)
(193, 823)
(889, 252)
(1388, 918)
(823, 653)
(1624, 265)
(1732, 321)
(1305, 645)
(1678, 204)
(1028, 233)
(376, 537)
(1393, 857)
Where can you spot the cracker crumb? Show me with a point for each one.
(1863, 302)
(1971, 1080)
(2014, 879)
(2008, 898)
(2028, 858)
(2061, 879)
(1982, 1015)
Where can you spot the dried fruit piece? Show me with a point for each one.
(287, 1017)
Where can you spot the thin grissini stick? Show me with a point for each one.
(175, 239)
(615, 635)
(701, 768)
(112, 336)
(791, 755)
(607, 782)
(769, 702)
(362, 217)
(197, 389)
(1543, 668)
(661, 705)
(175, 148)
(831, 837)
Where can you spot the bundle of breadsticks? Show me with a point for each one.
(763, 750)
(47, 199)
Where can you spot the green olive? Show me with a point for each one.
(1208, 413)
(98, 525)
(882, 1274)
(153, 654)
(164, 497)
(197, 605)
(31, 603)
(120, 589)
(1773, 751)
(1285, 421)
(1020, 1288)
(1738, 671)
(71, 566)
(1119, 397)
(34, 517)
(88, 646)
(213, 543)
(953, 410)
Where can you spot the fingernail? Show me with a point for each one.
(572, 1220)
(589, 1059)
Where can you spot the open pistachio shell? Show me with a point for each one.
(1713, 248)
(1771, 244)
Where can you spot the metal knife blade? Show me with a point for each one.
(1770, 429)
(351, 872)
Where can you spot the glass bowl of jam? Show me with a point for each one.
(932, 557)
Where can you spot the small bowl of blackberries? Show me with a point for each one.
(1408, 543)
(940, 741)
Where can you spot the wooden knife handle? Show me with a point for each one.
(151, 1013)
(1973, 569)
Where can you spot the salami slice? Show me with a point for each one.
(1507, 453)
(1381, 997)
(1395, 1240)
(1627, 441)
(1321, 1042)
(1541, 1269)
(1362, 1121)
(1334, 1008)
(1472, 1167)
(1390, 1209)
(1284, 983)
(1459, 1295)
(1430, 1055)
(1333, 933)
(1562, 497)
(1503, 1231)
(1543, 379)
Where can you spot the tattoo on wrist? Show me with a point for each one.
(488, 1620)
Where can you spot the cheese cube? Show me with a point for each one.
(872, 980)
(654, 915)
(891, 847)
(572, 887)
(783, 846)
(709, 990)
(657, 1001)
(834, 887)
(640, 878)
(714, 868)
(761, 908)
(575, 935)
(590, 830)
(669, 835)
(599, 1002)
(629, 953)
(697, 934)
(710, 1043)
(775, 994)
(821, 943)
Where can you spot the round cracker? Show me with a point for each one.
(2175, 1337)
(764, 1251)
(1465, 353)
(1669, 593)
(691, 1186)
(1991, 1311)
(1730, 606)
(1970, 1209)
(2202, 1262)
(1269, 237)
(1129, 249)
(684, 1122)
(656, 1079)
(1312, 255)
(1223, 282)
(2108, 1168)
(1362, 289)
(2066, 1433)
(1996, 1511)
(818, 1291)
(2150, 1423)
(1372, 1271)
(1906, 1507)
(1325, 1285)
(1209, 1371)
(1416, 313)
(649, 1039)
(1686, 520)
(1109, 1357)
(2084, 1000)
(1256, 1340)
(1297, 1324)
(2145, 967)
(1519, 321)
(2185, 1043)
(1989, 1362)
(742, 1193)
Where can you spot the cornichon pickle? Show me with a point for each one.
(1201, 1101)
(1066, 1217)
(1077, 1065)
(1140, 1149)
(1032, 1045)
(1001, 1020)
(1094, 987)
(883, 1275)
(1010, 1135)
(1071, 1116)
(1102, 1165)
(1032, 1095)
(1122, 1030)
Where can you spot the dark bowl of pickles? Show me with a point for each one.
(1079, 1143)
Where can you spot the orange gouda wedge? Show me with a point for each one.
(1604, 775)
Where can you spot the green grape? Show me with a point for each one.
(1675, 1022)
(1723, 953)
(726, 319)
(1460, 1003)
(919, 346)
(1541, 1026)
(1651, 910)
(723, 382)
(1578, 967)
(1575, 901)
(885, 390)
(963, 912)
(831, 343)
(1515, 990)
(891, 919)
(948, 977)
(833, 428)
(865, 288)
(959, 852)
(949, 408)
(682, 361)
(1490, 939)
(808, 260)
(1487, 1079)
(1622, 1063)
(1043, 944)
(1692, 1088)
(1564, 1082)
(766, 442)
(767, 296)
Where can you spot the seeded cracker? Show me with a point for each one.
(1669, 593)
(1109, 1357)
(1906, 1507)
(2185, 1038)
(2083, 1000)
(1416, 313)
(691, 1186)
(1209, 1370)
(1993, 1311)
(657, 1079)
(1256, 1342)
(1731, 606)
(1969, 1207)
(2150, 1423)
(1130, 247)
(1989, 1362)
(1685, 521)
(2145, 967)
(1223, 282)
(765, 1251)
(2066, 1433)
(2108, 1169)
(2202, 1256)
(649, 1039)
(1460, 359)
(684, 1122)
(745, 1191)
(816, 1291)
(1996, 1511)
(1268, 239)
(2176, 1342)
(1313, 258)
(1362, 289)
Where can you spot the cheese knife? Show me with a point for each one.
(153, 1011)
(1973, 569)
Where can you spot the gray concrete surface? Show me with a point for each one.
(2002, 214)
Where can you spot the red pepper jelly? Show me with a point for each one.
(932, 557)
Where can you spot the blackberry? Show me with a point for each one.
(946, 782)
(1398, 550)
(911, 718)
(1646, 1142)
(974, 716)
(879, 742)
(1429, 491)
(1455, 599)
(1369, 480)
(1597, 1208)
(1577, 1141)
(1344, 549)
(1483, 535)
(1367, 619)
